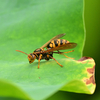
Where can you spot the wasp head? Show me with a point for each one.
(31, 57)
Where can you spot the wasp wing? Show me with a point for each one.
(56, 37)
(61, 47)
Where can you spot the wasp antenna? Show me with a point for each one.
(22, 52)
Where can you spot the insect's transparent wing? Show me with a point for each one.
(56, 37)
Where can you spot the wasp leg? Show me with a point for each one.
(67, 56)
(69, 51)
(63, 52)
(39, 60)
(66, 52)
(56, 61)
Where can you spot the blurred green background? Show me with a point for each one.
(91, 49)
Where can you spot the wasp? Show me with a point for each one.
(52, 47)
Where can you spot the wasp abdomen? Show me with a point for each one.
(57, 42)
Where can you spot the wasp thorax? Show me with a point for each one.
(31, 57)
(39, 50)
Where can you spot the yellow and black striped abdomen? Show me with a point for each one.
(57, 42)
